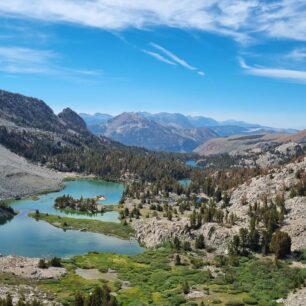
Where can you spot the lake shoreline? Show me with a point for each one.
(101, 232)
(112, 229)
(66, 177)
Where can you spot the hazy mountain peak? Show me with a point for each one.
(176, 132)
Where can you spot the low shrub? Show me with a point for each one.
(234, 303)
(42, 264)
(55, 262)
(250, 301)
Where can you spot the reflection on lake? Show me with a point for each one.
(28, 237)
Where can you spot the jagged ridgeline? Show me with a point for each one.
(30, 128)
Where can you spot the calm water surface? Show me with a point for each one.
(27, 237)
(185, 182)
(191, 163)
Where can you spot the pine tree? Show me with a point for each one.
(177, 260)
(79, 299)
(280, 244)
(176, 243)
(199, 243)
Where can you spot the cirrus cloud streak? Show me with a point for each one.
(277, 73)
(240, 19)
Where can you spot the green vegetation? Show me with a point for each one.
(120, 230)
(153, 278)
(67, 202)
(280, 244)
(86, 153)
(99, 297)
(55, 262)
(266, 281)
(6, 213)
(42, 264)
(263, 233)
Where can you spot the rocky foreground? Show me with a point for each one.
(27, 268)
(27, 293)
(296, 298)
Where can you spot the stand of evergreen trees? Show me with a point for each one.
(88, 205)
(101, 296)
(263, 233)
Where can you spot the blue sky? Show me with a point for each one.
(225, 59)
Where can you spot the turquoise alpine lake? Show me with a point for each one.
(195, 164)
(25, 236)
(185, 182)
(191, 163)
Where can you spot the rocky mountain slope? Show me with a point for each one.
(262, 150)
(299, 137)
(134, 129)
(27, 112)
(268, 188)
(29, 127)
(94, 122)
(177, 132)
(18, 177)
(73, 121)
(236, 144)
(278, 182)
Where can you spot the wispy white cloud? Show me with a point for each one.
(277, 73)
(240, 19)
(159, 57)
(25, 55)
(174, 57)
(18, 60)
(297, 54)
(171, 58)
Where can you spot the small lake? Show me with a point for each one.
(195, 164)
(25, 236)
(191, 163)
(185, 182)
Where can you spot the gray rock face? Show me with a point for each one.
(153, 232)
(296, 299)
(295, 222)
(217, 236)
(73, 120)
(27, 112)
(18, 177)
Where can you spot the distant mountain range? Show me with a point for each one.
(28, 126)
(169, 131)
